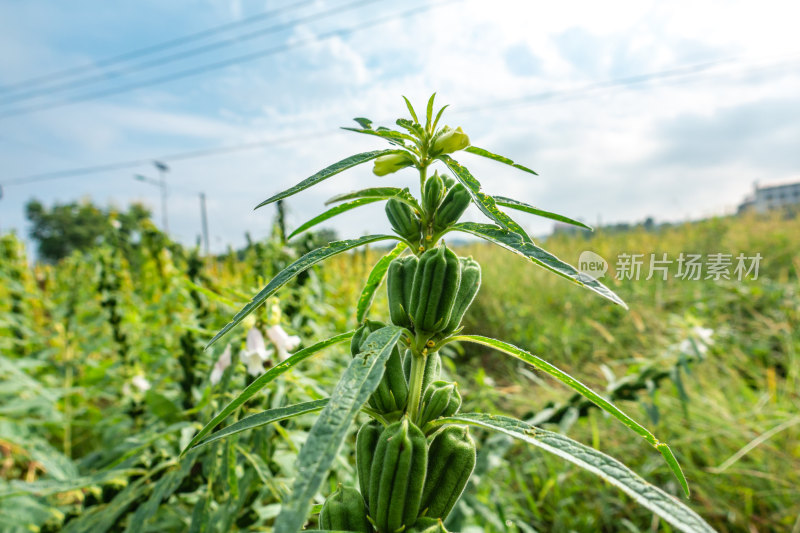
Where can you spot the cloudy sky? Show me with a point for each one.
(626, 109)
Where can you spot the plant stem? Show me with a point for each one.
(415, 386)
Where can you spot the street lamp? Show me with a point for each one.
(162, 183)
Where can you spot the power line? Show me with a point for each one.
(179, 156)
(676, 73)
(172, 43)
(204, 49)
(228, 62)
(680, 73)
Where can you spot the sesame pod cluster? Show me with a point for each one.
(366, 443)
(405, 222)
(434, 291)
(432, 294)
(467, 290)
(432, 194)
(452, 459)
(397, 476)
(391, 396)
(452, 207)
(344, 510)
(441, 399)
(399, 282)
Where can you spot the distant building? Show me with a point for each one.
(764, 199)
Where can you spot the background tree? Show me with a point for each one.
(64, 228)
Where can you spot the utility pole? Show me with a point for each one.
(204, 220)
(162, 171)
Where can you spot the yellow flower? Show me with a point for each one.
(450, 141)
(386, 164)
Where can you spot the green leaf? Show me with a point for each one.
(162, 490)
(356, 385)
(330, 213)
(380, 193)
(439, 115)
(364, 122)
(413, 127)
(588, 393)
(262, 381)
(512, 241)
(502, 159)
(327, 172)
(394, 137)
(287, 274)
(649, 496)
(263, 418)
(484, 202)
(527, 208)
(374, 281)
(411, 110)
(429, 113)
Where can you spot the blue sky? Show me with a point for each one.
(557, 87)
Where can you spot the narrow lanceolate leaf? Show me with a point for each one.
(287, 274)
(330, 213)
(484, 202)
(429, 113)
(411, 110)
(395, 137)
(374, 281)
(325, 173)
(502, 159)
(264, 418)
(379, 193)
(541, 257)
(527, 208)
(263, 380)
(649, 496)
(364, 122)
(588, 393)
(357, 383)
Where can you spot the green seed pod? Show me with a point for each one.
(433, 369)
(403, 219)
(399, 282)
(361, 334)
(448, 182)
(432, 194)
(392, 392)
(397, 476)
(428, 525)
(452, 458)
(344, 510)
(452, 207)
(366, 442)
(467, 290)
(441, 399)
(434, 291)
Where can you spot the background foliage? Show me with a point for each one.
(84, 448)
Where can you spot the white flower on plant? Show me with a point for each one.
(702, 337)
(222, 363)
(284, 343)
(141, 383)
(255, 352)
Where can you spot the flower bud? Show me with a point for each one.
(450, 141)
(386, 164)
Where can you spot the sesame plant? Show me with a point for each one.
(415, 455)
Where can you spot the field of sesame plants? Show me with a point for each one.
(346, 403)
(104, 380)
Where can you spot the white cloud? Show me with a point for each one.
(597, 151)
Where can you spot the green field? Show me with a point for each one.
(103, 380)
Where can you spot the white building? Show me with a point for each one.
(770, 197)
